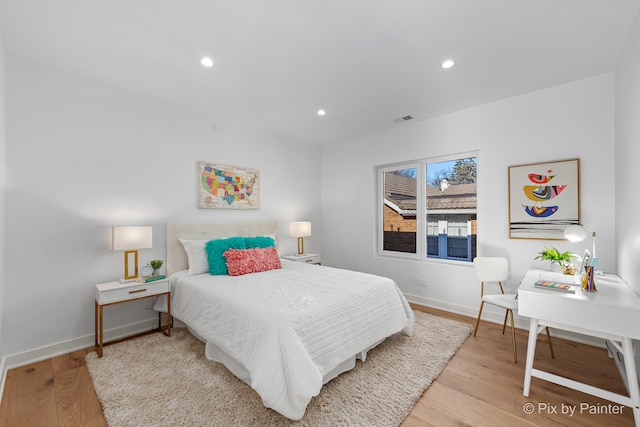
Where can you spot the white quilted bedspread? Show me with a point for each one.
(290, 327)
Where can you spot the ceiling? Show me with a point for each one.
(366, 62)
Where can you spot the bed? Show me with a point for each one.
(284, 331)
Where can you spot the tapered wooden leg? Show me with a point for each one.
(504, 324)
(513, 338)
(553, 356)
(478, 321)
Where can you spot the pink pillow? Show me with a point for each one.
(245, 261)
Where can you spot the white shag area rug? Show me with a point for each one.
(167, 381)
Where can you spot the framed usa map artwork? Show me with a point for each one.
(227, 187)
(544, 199)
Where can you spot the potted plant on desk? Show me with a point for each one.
(560, 261)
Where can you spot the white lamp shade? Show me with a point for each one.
(126, 238)
(300, 229)
(575, 233)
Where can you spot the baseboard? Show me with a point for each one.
(493, 317)
(53, 350)
(3, 375)
(446, 306)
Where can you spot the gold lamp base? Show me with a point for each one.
(128, 277)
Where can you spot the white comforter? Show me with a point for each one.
(290, 327)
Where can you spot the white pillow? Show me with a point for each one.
(197, 256)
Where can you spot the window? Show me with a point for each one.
(399, 210)
(443, 192)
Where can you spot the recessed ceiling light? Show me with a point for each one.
(206, 62)
(321, 112)
(448, 63)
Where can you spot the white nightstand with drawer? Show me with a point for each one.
(305, 258)
(117, 293)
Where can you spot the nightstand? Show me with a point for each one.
(117, 293)
(306, 258)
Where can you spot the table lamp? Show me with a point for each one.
(577, 233)
(300, 230)
(129, 240)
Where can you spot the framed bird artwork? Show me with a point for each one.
(544, 199)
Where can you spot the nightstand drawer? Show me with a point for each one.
(107, 293)
(306, 258)
(315, 259)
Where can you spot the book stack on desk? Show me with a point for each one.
(562, 287)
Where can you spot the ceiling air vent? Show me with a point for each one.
(403, 119)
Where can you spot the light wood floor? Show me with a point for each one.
(481, 386)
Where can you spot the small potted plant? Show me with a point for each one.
(155, 264)
(561, 259)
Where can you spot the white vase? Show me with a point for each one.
(556, 267)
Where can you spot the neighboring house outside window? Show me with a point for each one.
(450, 228)
(400, 211)
(451, 221)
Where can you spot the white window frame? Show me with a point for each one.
(420, 199)
(421, 211)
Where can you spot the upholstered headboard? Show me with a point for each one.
(177, 257)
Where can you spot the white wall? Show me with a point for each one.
(82, 157)
(628, 160)
(2, 200)
(568, 121)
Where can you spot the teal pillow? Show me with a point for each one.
(216, 249)
(259, 242)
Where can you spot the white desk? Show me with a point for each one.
(611, 313)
